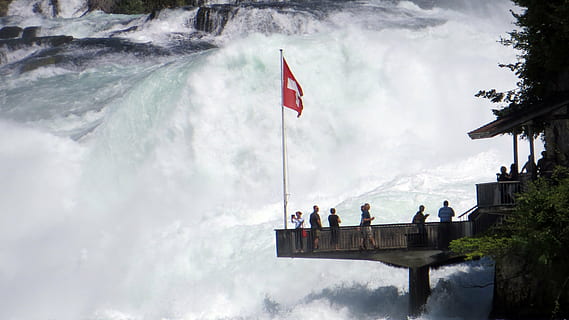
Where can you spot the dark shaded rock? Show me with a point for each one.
(213, 19)
(117, 6)
(104, 5)
(10, 32)
(120, 32)
(30, 32)
(52, 41)
(525, 289)
(118, 45)
(39, 62)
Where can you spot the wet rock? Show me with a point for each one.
(39, 62)
(52, 41)
(30, 32)
(10, 32)
(213, 19)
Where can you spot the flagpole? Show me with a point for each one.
(285, 192)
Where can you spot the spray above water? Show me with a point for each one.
(149, 186)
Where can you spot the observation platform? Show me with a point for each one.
(403, 245)
(399, 245)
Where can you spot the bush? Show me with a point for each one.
(538, 228)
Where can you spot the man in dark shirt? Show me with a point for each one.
(545, 165)
(334, 221)
(419, 219)
(315, 227)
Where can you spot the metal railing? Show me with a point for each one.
(463, 216)
(386, 237)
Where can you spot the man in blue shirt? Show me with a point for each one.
(446, 213)
(445, 228)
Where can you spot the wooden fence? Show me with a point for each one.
(390, 236)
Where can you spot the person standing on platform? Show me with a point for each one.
(530, 168)
(545, 165)
(315, 227)
(366, 227)
(445, 228)
(514, 174)
(446, 213)
(419, 219)
(298, 221)
(503, 174)
(334, 221)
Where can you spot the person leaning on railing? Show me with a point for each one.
(419, 219)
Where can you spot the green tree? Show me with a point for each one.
(542, 66)
(540, 224)
(537, 229)
(535, 236)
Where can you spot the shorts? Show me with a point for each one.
(366, 232)
(315, 233)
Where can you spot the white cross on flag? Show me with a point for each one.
(292, 92)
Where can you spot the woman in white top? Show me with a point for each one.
(298, 221)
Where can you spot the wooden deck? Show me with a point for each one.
(402, 245)
(398, 244)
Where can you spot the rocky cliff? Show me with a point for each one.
(527, 290)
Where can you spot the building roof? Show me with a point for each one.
(549, 109)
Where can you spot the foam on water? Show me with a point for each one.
(167, 209)
(62, 8)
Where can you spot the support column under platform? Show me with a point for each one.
(419, 289)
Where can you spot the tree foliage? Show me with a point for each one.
(542, 66)
(492, 245)
(537, 229)
(540, 225)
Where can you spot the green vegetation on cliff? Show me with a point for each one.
(538, 228)
(531, 250)
(531, 246)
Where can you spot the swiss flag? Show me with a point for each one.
(292, 92)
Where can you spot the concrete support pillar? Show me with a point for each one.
(419, 289)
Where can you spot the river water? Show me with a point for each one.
(142, 175)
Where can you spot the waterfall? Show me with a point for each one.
(141, 159)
